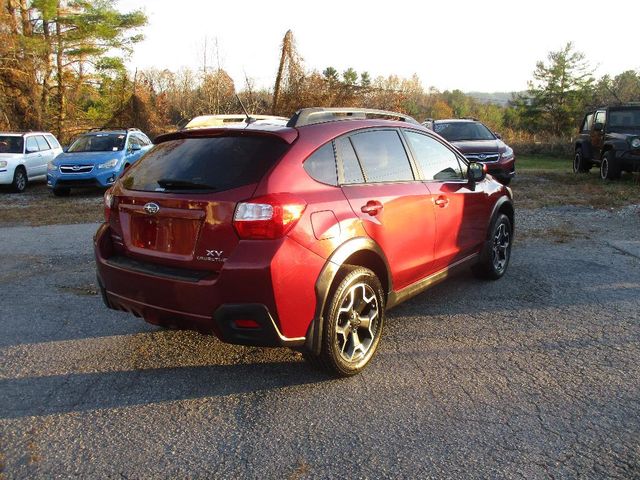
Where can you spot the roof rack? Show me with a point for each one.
(101, 129)
(311, 116)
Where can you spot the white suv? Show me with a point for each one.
(24, 157)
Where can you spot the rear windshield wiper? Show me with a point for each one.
(174, 184)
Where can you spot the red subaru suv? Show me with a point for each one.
(300, 235)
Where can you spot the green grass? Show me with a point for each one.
(530, 163)
(544, 181)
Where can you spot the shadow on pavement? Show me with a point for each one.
(83, 392)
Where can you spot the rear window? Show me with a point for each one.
(11, 144)
(205, 164)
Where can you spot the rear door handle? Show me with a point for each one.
(372, 208)
(442, 201)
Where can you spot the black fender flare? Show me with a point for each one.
(585, 147)
(504, 200)
(327, 275)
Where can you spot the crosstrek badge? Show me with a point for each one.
(212, 256)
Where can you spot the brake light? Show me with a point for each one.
(108, 205)
(268, 217)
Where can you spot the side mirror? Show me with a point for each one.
(135, 147)
(498, 136)
(476, 173)
(598, 127)
(65, 149)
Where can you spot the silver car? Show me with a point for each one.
(24, 157)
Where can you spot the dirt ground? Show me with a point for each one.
(539, 183)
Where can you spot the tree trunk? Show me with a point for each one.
(46, 57)
(60, 76)
(283, 57)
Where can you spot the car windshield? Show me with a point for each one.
(625, 118)
(11, 144)
(98, 142)
(459, 131)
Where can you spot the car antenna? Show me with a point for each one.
(249, 119)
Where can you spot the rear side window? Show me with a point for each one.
(143, 140)
(205, 164)
(321, 165)
(351, 170)
(436, 161)
(382, 156)
(52, 141)
(42, 143)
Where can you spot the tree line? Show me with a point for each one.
(62, 69)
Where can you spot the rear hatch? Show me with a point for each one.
(175, 206)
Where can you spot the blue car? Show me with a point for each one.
(96, 159)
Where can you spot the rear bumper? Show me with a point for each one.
(212, 302)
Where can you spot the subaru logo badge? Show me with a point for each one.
(482, 156)
(75, 168)
(151, 208)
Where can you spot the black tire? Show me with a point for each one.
(355, 309)
(496, 253)
(20, 180)
(609, 168)
(61, 191)
(580, 165)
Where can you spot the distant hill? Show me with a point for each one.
(499, 98)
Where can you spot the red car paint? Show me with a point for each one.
(191, 265)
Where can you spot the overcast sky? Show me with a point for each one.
(489, 46)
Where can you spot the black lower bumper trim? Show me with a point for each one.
(266, 335)
(80, 183)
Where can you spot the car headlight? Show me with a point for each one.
(109, 164)
(507, 154)
(3, 164)
(51, 167)
(635, 143)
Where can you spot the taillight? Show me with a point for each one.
(271, 216)
(108, 205)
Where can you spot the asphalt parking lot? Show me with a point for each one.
(534, 376)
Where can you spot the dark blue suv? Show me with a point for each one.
(96, 159)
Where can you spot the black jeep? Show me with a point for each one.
(609, 137)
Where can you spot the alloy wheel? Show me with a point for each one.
(500, 251)
(357, 323)
(21, 181)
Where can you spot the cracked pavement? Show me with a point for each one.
(534, 376)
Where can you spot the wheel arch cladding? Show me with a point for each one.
(503, 205)
(361, 251)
